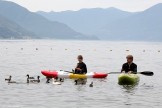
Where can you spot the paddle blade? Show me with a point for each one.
(147, 73)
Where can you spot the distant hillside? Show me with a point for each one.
(114, 24)
(146, 25)
(37, 23)
(87, 21)
(10, 29)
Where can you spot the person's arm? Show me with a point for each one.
(123, 68)
(84, 69)
(135, 68)
(76, 68)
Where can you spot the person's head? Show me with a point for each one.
(80, 58)
(129, 58)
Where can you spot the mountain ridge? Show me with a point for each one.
(38, 24)
(86, 20)
(143, 25)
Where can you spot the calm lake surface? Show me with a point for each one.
(18, 58)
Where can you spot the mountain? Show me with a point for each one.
(10, 29)
(113, 24)
(145, 25)
(37, 24)
(87, 21)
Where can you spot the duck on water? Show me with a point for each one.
(33, 80)
(9, 80)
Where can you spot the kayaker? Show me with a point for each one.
(129, 67)
(81, 67)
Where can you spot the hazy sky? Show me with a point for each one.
(62, 5)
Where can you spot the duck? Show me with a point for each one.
(91, 85)
(12, 81)
(36, 81)
(56, 82)
(28, 81)
(61, 79)
(48, 79)
(33, 81)
(7, 79)
(76, 82)
(30, 77)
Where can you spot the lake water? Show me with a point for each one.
(18, 58)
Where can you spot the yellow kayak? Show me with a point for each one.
(128, 79)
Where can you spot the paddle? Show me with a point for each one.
(67, 71)
(147, 73)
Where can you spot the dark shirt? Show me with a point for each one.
(132, 67)
(83, 68)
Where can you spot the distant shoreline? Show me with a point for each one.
(127, 41)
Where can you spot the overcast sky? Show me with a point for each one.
(62, 5)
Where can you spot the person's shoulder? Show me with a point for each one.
(83, 63)
(134, 64)
(125, 64)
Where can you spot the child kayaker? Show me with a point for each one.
(129, 66)
(81, 67)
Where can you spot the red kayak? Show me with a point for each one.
(63, 74)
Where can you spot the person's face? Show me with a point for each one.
(80, 60)
(129, 60)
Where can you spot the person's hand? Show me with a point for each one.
(78, 69)
(129, 72)
(123, 71)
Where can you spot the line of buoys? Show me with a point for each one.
(93, 50)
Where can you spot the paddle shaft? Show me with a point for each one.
(147, 73)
